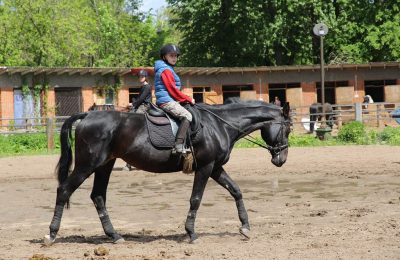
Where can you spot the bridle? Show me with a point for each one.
(274, 150)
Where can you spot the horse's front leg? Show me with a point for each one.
(199, 184)
(98, 196)
(223, 179)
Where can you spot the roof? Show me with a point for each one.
(190, 70)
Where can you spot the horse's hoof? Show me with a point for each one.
(194, 241)
(119, 240)
(245, 232)
(48, 241)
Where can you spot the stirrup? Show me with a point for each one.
(180, 148)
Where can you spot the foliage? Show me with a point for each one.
(272, 32)
(24, 143)
(78, 33)
(103, 33)
(353, 132)
(390, 135)
(309, 140)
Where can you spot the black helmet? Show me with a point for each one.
(143, 73)
(169, 48)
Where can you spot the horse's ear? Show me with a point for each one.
(286, 110)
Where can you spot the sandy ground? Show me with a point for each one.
(324, 203)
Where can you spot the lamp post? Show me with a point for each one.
(321, 30)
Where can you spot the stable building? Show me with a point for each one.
(38, 92)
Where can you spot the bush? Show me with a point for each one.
(390, 135)
(353, 132)
(24, 143)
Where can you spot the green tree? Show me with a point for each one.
(279, 32)
(77, 33)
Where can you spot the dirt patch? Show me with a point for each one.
(324, 203)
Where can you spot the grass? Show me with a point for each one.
(353, 133)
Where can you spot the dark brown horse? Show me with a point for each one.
(103, 136)
(316, 113)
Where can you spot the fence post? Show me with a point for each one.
(358, 108)
(50, 134)
(339, 117)
(378, 117)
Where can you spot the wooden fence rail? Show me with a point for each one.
(373, 115)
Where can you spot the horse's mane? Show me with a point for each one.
(235, 102)
(107, 107)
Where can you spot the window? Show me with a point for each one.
(234, 90)
(133, 93)
(279, 90)
(198, 93)
(109, 96)
(375, 88)
(329, 87)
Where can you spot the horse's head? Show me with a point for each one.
(276, 134)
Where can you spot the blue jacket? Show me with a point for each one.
(161, 92)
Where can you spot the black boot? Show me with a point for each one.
(181, 136)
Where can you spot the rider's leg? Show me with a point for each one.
(181, 136)
(176, 110)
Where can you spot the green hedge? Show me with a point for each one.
(351, 133)
(24, 144)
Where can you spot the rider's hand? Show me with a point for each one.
(193, 101)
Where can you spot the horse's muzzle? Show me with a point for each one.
(279, 159)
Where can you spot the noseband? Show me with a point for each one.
(274, 150)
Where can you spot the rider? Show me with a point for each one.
(142, 103)
(168, 92)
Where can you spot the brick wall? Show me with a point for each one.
(87, 97)
(6, 105)
(123, 97)
(51, 103)
(264, 95)
(359, 90)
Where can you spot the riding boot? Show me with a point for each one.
(181, 136)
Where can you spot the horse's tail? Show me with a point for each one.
(65, 161)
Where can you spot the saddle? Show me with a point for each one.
(162, 128)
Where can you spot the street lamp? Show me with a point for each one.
(321, 30)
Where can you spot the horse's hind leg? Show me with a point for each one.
(223, 179)
(64, 192)
(98, 196)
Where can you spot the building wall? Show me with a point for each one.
(6, 105)
(123, 96)
(392, 93)
(344, 95)
(261, 89)
(359, 91)
(294, 96)
(87, 98)
(50, 99)
(259, 77)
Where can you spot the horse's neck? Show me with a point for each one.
(250, 119)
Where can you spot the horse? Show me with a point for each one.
(316, 114)
(103, 136)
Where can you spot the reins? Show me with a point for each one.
(248, 137)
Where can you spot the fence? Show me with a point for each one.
(373, 115)
(31, 125)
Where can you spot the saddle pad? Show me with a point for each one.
(160, 135)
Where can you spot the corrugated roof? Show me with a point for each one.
(190, 70)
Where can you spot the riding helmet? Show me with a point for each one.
(143, 73)
(169, 48)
